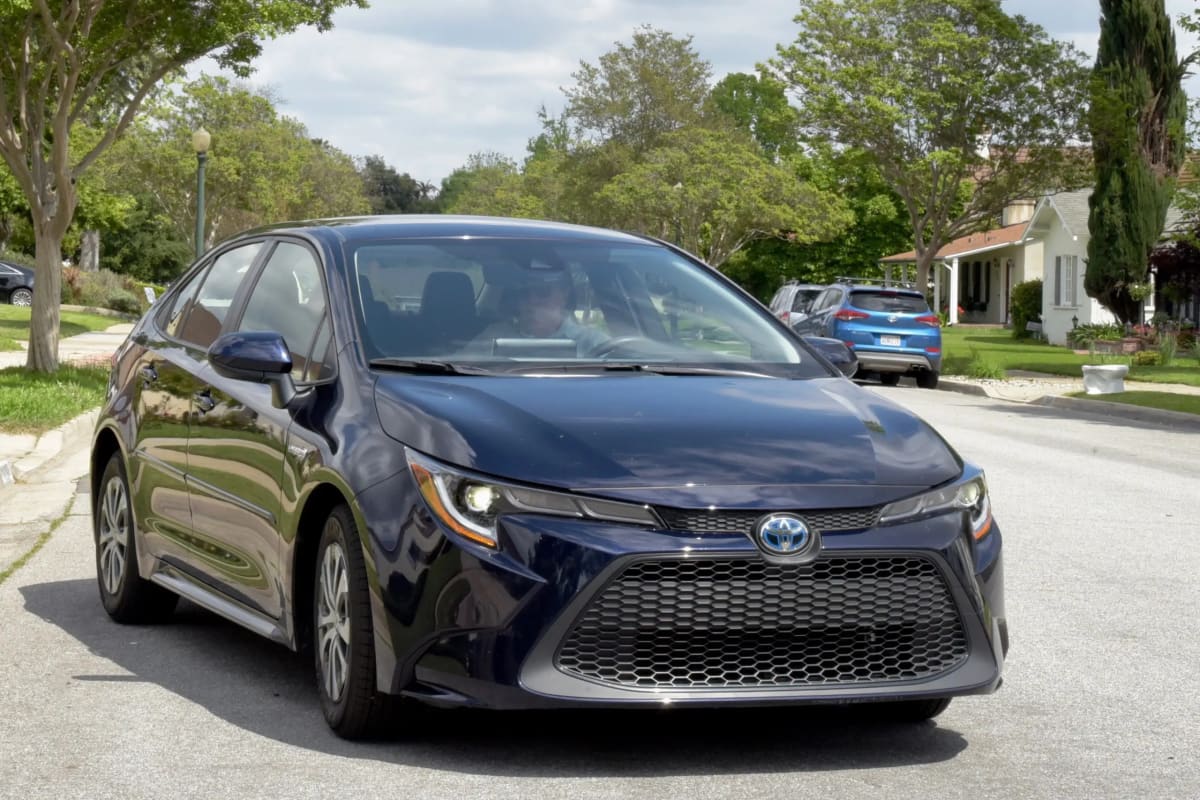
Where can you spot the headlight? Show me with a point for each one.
(970, 496)
(470, 505)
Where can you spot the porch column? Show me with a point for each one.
(953, 299)
(937, 287)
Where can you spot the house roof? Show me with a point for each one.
(1072, 208)
(971, 244)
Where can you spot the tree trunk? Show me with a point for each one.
(924, 262)
(47, 295)
(89, 257)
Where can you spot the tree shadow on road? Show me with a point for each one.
(267, 690)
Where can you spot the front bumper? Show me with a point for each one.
(457, 624)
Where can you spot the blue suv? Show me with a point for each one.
(890, 327)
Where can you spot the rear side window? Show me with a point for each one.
(207, 315)
(891, 302)
(172, 319)
(803, 298)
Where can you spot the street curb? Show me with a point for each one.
(47, 448)
(962, 388)
(100, 312)
(1102, 408)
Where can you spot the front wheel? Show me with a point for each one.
(927, 379)
(344, 641)
(126, 596)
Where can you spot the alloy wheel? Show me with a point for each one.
(333, 621)
(21, 297)
(114, 535)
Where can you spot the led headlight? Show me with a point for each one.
(969, 495)
(470, 505)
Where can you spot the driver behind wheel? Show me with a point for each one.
(543, 312)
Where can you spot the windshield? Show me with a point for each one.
(508, 304)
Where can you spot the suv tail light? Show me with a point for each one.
(929, 319)
(849, 315)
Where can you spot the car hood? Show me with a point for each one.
(676, 440)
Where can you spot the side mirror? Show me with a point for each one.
(258, 357)
(836, 353)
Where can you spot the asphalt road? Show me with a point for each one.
(1101, 696)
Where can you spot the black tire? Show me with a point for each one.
(912, 710)
(927, 379)
(127, 598)
(353, 706)
(889, 378)
(21, 297)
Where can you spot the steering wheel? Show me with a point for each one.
(616, 343)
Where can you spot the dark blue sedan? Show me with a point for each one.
(513, 464)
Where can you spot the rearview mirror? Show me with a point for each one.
(258, 357)
(836, 353)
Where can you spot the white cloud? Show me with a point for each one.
(425, 84)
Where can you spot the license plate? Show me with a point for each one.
(889, 341)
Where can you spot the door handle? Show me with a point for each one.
(149, 373)
(204, 401)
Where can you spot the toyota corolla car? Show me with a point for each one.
(511, 464)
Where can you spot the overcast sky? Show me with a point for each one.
(425, 84)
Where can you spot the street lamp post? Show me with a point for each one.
(201, 140)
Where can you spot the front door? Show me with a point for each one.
(238, 439)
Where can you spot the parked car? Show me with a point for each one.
(792, 300)
(16, 284)
(535, 490)
(890, 327)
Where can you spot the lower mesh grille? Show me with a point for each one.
(747, 623)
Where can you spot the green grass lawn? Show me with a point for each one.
(997, 347)
(14, 325)
(1165, 400)
(33, 403)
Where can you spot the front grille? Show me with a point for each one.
(824, 520)
(742, 623)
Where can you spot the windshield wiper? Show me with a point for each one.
(650, 369)
(426, 366)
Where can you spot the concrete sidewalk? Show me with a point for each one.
(85, 348)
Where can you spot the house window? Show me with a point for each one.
(1065, 275)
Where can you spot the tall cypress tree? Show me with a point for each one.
(1137, 122)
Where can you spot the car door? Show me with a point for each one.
(238, 440)
(169, 378)
(161, 398)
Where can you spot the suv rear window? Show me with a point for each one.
(893, 302)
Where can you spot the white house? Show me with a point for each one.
(1047, 240)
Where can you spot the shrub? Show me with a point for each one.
(1086, 335)
(125, 302)
(1186, 339)
(1026, 307)
(1167, 347)
(97, 287)
(1147, 358)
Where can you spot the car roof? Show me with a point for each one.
(352, 229)
(891, 289)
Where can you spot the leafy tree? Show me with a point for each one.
(714, 192)
(12, 206)
(1137, 122)
(490, 184)
(392, 193)
(758, 104)
(262, 167)
(639, 92)
(962, 107)
(880, 228)
(68, 61)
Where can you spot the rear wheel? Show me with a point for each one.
(21, 297)
(889, 378)
(343, 638)
(126, 596)
(927, 379)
